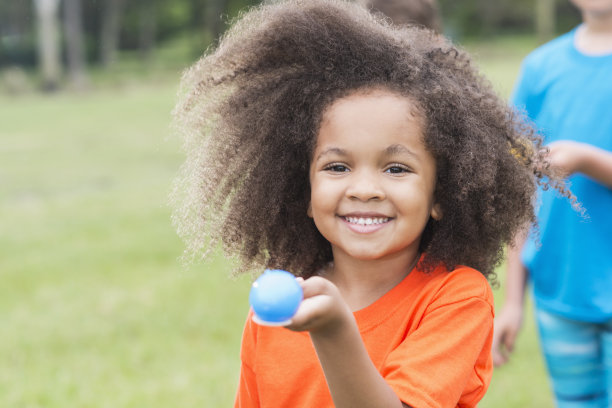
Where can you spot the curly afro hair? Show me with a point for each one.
(250, 110)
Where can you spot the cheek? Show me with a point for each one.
(319, 200)
(417, 201)
(323, 203)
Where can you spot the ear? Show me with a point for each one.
(436, 212)
(309, 210)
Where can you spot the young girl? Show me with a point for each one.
(375, 164)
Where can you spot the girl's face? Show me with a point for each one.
(372, 180)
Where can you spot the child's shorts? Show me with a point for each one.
(579, 360)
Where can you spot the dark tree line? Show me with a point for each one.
(547, 18)
(63, 37)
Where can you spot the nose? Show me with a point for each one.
(365, 186)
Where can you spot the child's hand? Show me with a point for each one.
(507, 326)
(566, 156)
(350, 374)
(323, 310)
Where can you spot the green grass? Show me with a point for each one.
(499, 58)
(523, 381)
(96, 309)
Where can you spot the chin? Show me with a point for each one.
(363, 257)
(368, 255)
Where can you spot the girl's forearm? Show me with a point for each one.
(352, 378)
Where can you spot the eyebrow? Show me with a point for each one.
(399, 149)
(391, 150)
(332, 150)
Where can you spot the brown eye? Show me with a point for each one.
(337, 168)
(397, 169)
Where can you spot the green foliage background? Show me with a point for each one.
(176, 18)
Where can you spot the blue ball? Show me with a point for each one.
(275, 297)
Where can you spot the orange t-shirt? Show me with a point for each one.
(429, 337)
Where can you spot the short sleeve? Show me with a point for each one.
(247, 394)
(529, 90)
(446, 361)
(521, 88)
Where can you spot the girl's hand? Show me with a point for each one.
(351, 376)
(323, 310)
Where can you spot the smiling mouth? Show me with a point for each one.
(366, 220)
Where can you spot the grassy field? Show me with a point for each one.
(96, 309)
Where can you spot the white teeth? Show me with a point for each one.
(367, 221)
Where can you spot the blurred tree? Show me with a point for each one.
(207, 22)
(48, 42)
(147, 26)
(17, 39)
(198, 11)
(214, 17)
(484, 17)
(545, 20)
(422, 12)
(109, 32)
(567, 16)
(75, 51)
(109, 26)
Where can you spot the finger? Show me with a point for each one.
(496, 351)
(500, 355)
(509, 340)
(499, 359)
(308, 313)
(316, 286)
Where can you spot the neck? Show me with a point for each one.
(361, 282)
(598, 20)
(594, 37)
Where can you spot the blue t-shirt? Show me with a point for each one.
(569, 97)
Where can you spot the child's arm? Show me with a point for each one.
(573, 157)
(509, 320)
(352, 378)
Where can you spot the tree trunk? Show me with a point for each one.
(75, 52)
(198, 13)
(48, 42)
(545, 20)
(148, 25)
(214, 22)
(109, 35)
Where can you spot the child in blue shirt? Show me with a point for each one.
(565, 87)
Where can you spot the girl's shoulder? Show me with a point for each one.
(458, 284)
